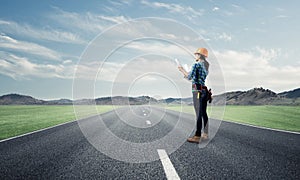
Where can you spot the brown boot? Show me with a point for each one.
(194, 139)
(204, 136)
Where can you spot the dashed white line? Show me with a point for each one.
(167, 164)
(148, 122)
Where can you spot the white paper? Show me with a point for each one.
(177, 62)
(186, 68)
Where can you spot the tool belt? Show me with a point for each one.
(198, 88)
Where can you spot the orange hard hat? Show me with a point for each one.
(202, 51)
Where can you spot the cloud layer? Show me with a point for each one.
(46, 33)
(20, 68)
(10, 43)
(244, 70)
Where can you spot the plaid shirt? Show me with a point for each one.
(198, 73)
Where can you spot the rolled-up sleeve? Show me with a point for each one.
(192, 72)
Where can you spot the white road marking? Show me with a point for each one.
(145, 114)
(15, 137)
(259, 127)
(26, 134)
(167, 164)
(148, 122)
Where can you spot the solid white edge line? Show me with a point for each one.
(259, 127)
(36, 131)
(75, 120)
(167, 164)
(21, 135)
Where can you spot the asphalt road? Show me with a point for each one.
(236, 152)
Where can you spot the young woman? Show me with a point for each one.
(198, 75)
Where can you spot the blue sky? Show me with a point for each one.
(255, 42)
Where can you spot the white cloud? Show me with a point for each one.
(238, 8)
(4, 22)
(126, 73)
(67, 61)
(224, 36)
(45, 33)
(71, 20)
(7, 42)
(87, 22)
(234, 5)
(90, 70)
(114, 19)
(19, 68)
(168, 35)
(157, 48)
(215, 9)
(245, 70)
(109, 9)
(121, 3)
(187, 11)
(123, 72)
(279, 9)
(116, 3)
(268, 54)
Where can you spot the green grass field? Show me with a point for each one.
(16, 120)
(276, 117)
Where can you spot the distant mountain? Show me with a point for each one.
(171, 100)
(291, 94)
(58, 102)
(19, 100)
(122, 100)
(187, 101)
(256, 96)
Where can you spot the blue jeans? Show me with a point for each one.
(200, 106)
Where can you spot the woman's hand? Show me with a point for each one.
(180, 68)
